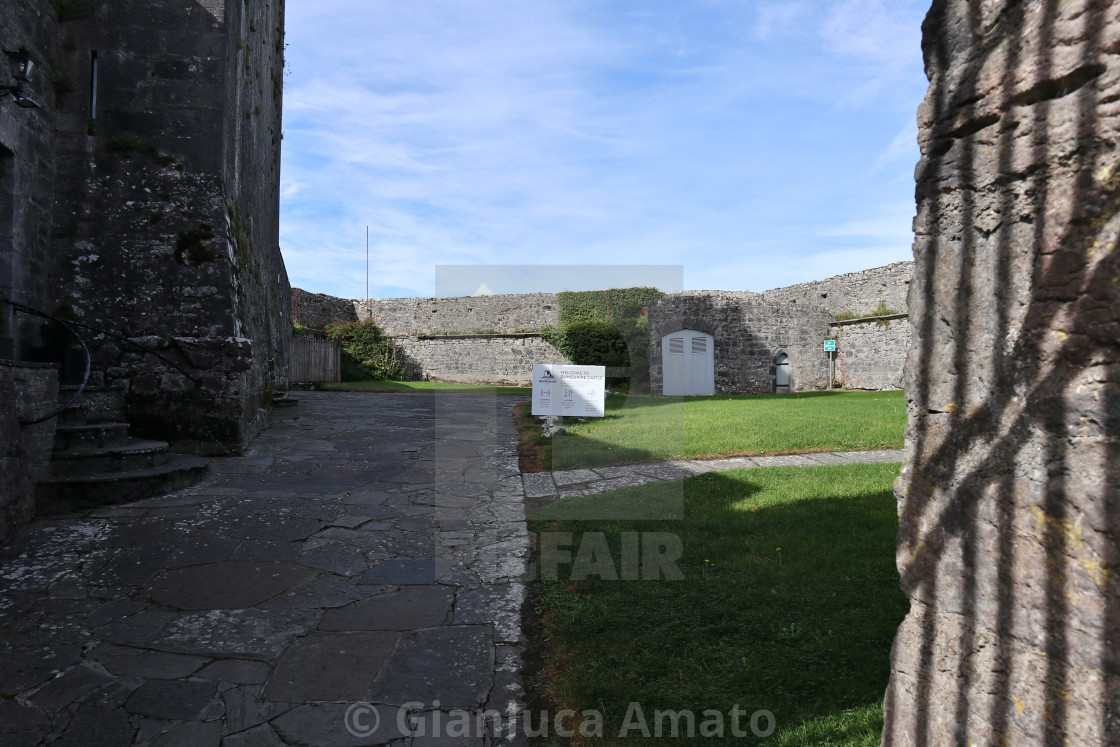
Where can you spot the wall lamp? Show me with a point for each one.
(21, 63)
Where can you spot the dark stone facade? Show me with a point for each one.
(1009, 498)
(28, 391)
(154, 211)
(749, 334)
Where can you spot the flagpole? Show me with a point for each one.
(369, 311)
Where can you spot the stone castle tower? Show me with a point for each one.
(142, 197)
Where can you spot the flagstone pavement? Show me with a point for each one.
(369, 551)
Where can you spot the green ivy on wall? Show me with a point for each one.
(607, 328)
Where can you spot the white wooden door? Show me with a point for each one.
(781, 371)
(688, 363)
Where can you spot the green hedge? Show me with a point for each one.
(367, 354)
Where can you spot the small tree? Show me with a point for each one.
(367, 354)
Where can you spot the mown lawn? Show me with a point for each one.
(789, 603)
(423, 386)
(643, 429)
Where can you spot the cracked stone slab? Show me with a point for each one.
(237, 671)
(410, 608)
(252, 633)
(72, 686)
(330, 666)
(96, 725)
(226, 585)
(452, 664)
(323, 592)
(171, 699)
(127, 661)
(324, 725)
(402, 571)
(259, 736)
(498, 605)
(244, 709)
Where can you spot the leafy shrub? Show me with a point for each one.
(883, 310)
(594, 342)
(367, 354)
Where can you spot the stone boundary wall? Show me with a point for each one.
(749, 334)
(500, 361)
(409, 317)
(317, 310)
(514, 312)
(871, 354)
(858, 292)
(473, 353)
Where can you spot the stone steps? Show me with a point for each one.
(91, 435)
(135, 454)
(95, 462)
(70, 493)
(94, 405)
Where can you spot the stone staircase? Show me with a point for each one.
(95, 462)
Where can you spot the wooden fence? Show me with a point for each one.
(314, 360)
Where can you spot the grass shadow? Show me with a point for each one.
(789, 603)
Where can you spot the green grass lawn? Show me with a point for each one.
(423, 386)
(790, 602)
(643, 429)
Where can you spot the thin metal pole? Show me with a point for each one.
(369, 311)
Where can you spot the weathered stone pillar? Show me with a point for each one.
(1009, 499)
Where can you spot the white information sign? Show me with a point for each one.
(578, 391)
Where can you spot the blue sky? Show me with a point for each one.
(753, 143)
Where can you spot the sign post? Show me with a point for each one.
(830, 348)
(578, 391)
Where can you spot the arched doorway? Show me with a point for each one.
(781, 373)
(688, 363)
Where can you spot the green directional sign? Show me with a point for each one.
(830, 346)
